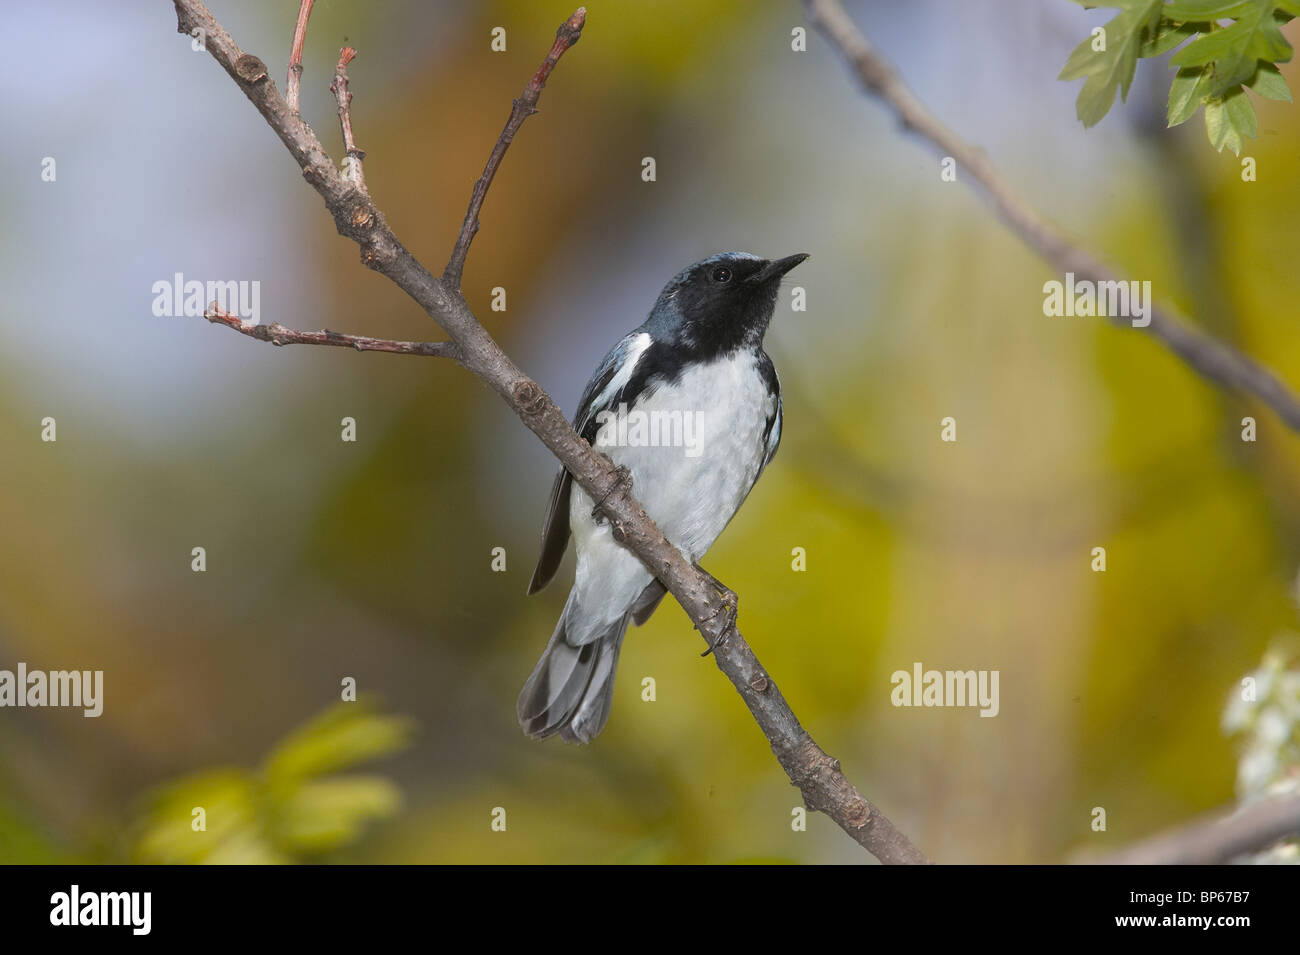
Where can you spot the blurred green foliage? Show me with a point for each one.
(291, 808)
(373, 559)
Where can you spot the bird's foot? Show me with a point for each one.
(729, 606)
(622, 479)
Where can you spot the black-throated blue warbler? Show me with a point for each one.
(689, 404)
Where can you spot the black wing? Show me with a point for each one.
(555, 533)
(772, 433)
(598, 395)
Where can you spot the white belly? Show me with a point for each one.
(694, 450)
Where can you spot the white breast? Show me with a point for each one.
(694, 449)
(692, 490)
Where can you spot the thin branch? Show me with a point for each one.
(1213, 359)
(295, 54)
(817, 774)
(523, 107)
(352, 164)
(1218, 838)
(277, 334)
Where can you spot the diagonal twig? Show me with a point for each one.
(523, 107)
(1216, 838)
(817, 774)
(1213, 359)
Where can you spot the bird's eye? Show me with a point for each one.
(722, 274)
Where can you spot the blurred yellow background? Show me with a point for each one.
(372, 559)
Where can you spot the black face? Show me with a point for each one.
(722, 303)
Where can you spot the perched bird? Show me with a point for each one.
(689, 404)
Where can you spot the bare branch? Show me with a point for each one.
(277, 334)
(1213, 359)
(817, 774)
(1217, 838)
(566, 36)
(352, 164)
(295, 54)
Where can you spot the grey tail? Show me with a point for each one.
(571, 688)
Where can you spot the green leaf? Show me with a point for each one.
(229, 800)
(1236, 50)
(1105, 71)
(1206, 9)
(1083, 62)
(1268, 82)
(1228, 120)
(329, 813)
(289, 809)
(1188, 92)
(1241, 113)
(1216, 126)
(1169, 35)
(1289, 7)
(345, 734)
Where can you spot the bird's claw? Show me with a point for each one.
(730, 606)
(622, 479)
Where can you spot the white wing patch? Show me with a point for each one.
(627, 358)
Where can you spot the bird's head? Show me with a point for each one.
(721, 303)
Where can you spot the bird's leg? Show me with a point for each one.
(730, 606)
(622, 479)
